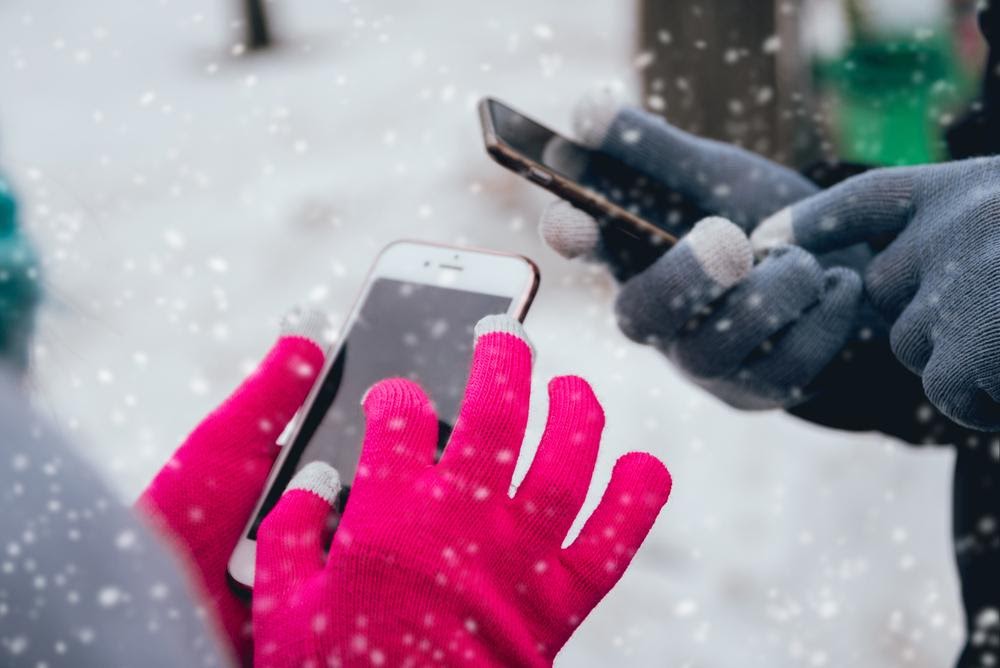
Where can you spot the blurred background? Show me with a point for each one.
(191, 170)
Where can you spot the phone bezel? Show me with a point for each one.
(575, 193)
(471, 269)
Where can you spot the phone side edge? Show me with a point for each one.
(486, 124)
(587, 200)
(528, 295)
(239, 567)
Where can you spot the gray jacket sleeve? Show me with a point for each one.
(82, 582)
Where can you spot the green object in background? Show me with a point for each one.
(894, 96)
(19, 286)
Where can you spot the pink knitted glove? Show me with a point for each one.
(437, 564)
(202, 498)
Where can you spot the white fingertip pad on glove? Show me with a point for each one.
(502, 322)
(722, 250)
(776, 230)
(319, 478)
(310, 324)
(593, 114)
(499, 322)
(569, 231)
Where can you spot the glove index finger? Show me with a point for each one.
(860, 209)
(290, 539)
(256, 412)
(655, 305)
(487, 437)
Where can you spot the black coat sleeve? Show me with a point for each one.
(978, 132)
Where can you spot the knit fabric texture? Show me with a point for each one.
(202, 498)
(437, 563)
(936, 283)
(756, 337)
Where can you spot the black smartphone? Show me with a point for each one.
(624, 201)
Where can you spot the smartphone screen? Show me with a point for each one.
(402, 329)
(614, 180)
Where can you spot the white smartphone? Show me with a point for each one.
(414, 318)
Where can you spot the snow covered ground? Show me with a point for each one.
(185, 198)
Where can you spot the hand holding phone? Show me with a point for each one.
(625, 205)
(413, 320)
(437, 561)
(633, 184)
(771, 329)
(201, 498)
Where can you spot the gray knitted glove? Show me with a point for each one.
(755, 337)
(937, 282)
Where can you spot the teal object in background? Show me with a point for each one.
(19, 286)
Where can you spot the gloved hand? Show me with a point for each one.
(712, 178)
(936, 282)
(201, 500)
(755, 336)
(437, 563)
(863, 387)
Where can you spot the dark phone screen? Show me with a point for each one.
(410, 330)
(614, 180)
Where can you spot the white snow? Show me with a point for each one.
(184, 199)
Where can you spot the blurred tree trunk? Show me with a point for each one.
(258, 29)
(731, 71)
